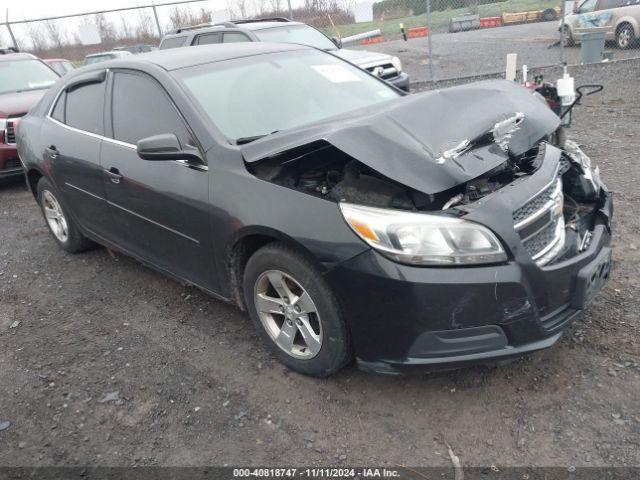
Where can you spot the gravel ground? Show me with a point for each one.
(105, 362)
(480, 52)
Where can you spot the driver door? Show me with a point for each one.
(158, 209)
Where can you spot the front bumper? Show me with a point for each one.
(10, 165)
(423, 319)
(401, 81)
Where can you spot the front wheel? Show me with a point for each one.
(625, 37)
(295, 311)
(62, 226)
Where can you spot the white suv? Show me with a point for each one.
(621, 16)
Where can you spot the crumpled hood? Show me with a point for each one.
(363, 57)
(405, 139)
(19, 103)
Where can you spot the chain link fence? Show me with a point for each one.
(435, 39)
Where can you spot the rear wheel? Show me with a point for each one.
(549, 15)
(62, 227)
(295, 311)
(625, 36)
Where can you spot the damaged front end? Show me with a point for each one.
(440, 154)
(470, 177)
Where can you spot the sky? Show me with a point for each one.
(26, 9)
(30, 9)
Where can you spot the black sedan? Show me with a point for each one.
(349, 219)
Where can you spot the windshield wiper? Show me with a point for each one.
(245, 140)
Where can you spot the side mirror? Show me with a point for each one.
(337, 41)
(165, 147)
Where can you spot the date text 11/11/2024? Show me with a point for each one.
(315, 473)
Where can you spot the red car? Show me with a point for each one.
(60, 65)
(24, 79)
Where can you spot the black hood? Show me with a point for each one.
(406, 138)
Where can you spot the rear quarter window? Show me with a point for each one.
(173, 42)
(234, 37)
(207, 39)
(58, 110)
(84, 107)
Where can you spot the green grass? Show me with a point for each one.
(441, 19)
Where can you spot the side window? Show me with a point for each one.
(607, 4)
(587, 6)
(58, 110)
(235, 37)
(173, 42)
(140, 109)
(207, 39)
(84, 107)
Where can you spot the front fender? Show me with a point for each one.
(630, 20)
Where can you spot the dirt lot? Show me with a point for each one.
(479, 52)
(105, 362)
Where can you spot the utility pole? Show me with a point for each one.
(13, 38)
(429, 40)
(290, 10)
(562, 34)
(155, 14)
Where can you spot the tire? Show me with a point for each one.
(549, 15)
(625, 37)
(567, 38)
(63, 228)
(314, 343)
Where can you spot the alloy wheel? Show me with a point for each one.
(288, 314)
(55, 216)
(624, 37)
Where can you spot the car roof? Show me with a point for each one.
(17, 56)
(110, 52)
(265, 25)
(231, 25)
(177, 58)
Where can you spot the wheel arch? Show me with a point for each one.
(628, 20)
(244, 244)
(33, 177)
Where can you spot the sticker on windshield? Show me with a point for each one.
(336, 73)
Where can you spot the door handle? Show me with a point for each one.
(52, 151)
(114, 175)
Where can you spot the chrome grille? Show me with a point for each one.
(533, 205)
(10, 132)
(385, 71)
(12, 164)
(540, 223)
(539, 241)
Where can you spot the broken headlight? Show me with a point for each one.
(423, 239)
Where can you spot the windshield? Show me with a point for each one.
(98, 58)
(255, 96)
(20, 75)
(302, 34)
(588, 6)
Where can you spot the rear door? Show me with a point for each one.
(159, 209)
(599, 14)
(72, 137)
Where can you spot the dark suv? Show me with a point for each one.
(23, 80)
(281, 30)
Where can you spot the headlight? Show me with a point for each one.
(397, 64)
(424, 239)
(3, 126)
